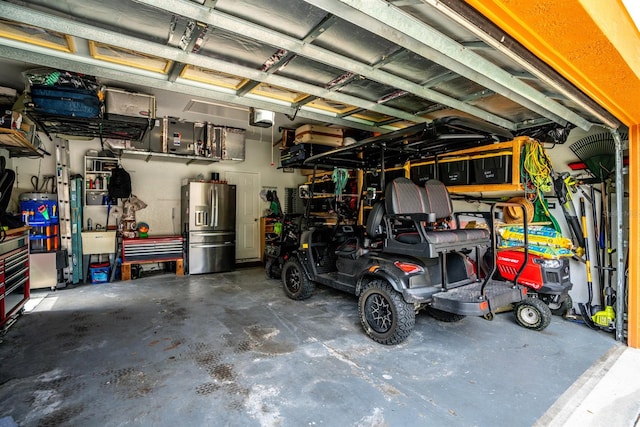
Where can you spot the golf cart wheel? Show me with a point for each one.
(563, 308)
(269, 269)
(296, 283)
(533, 314)
(384, 314)
(444, 316)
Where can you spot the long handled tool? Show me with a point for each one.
(603, 319)
(606, 319)
(596, 232)
(585, 309)
(564, 197)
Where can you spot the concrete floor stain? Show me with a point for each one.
(61, 416)
(207, 388)
(174, 345)
(224, 372)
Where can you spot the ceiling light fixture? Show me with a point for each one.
(261, 118)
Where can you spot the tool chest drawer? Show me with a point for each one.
(152, 248)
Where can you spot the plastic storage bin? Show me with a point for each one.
(494, 168)
(99, 272)
(454, 171)
(422, 172)
(40, 212)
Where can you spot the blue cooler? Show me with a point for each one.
(99, 272)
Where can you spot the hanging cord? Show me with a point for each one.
(41, 186)
(538, 171)
(340, 177)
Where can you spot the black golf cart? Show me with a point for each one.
(407, 257)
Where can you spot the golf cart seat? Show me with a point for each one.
(354, 247)
(375, 221)
(417, 221)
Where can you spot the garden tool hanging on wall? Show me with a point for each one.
(595, 318)
(564, 186)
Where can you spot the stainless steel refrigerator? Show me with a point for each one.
(209, 224)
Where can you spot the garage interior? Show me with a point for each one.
(228, 347)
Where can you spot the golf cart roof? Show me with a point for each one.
(416, 142)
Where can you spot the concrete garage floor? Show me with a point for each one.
(231, 350)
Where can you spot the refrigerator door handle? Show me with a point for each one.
(215, 200)
(212, 200)
(213, 245)
(210, 233)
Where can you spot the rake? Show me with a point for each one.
(598, 152)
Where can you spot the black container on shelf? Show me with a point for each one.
(454, 172)
(422, 173)
(493, 169)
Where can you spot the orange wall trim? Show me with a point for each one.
(567, 37)
(634, 237)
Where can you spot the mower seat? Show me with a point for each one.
(417, 207)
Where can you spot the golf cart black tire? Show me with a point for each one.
(444, 316)
(399, 314)
(533, 314)
(564, 308)
(268, 268)
(295, 282)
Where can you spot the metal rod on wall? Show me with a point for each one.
(620, 270)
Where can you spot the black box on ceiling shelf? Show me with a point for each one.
(422, 173)
(299, 153)
(454, 171)
(492, 169)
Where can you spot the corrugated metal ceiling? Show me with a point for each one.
(369, 64)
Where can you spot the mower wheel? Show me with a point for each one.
(385, 316)
(444, 316)
(563, 308)
(533, 314)
(296, 283)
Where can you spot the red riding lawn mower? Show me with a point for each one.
(550, 279)
(547, 277)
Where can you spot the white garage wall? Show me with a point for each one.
(158, 183)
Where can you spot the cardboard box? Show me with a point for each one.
(322, 135)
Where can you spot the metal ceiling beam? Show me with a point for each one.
(44, 57)
(447, 76)
(484, 93)
(247, 29)
(463, 14)
(477, 23)
(391, 23)
(88, 32)
(320, 28)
